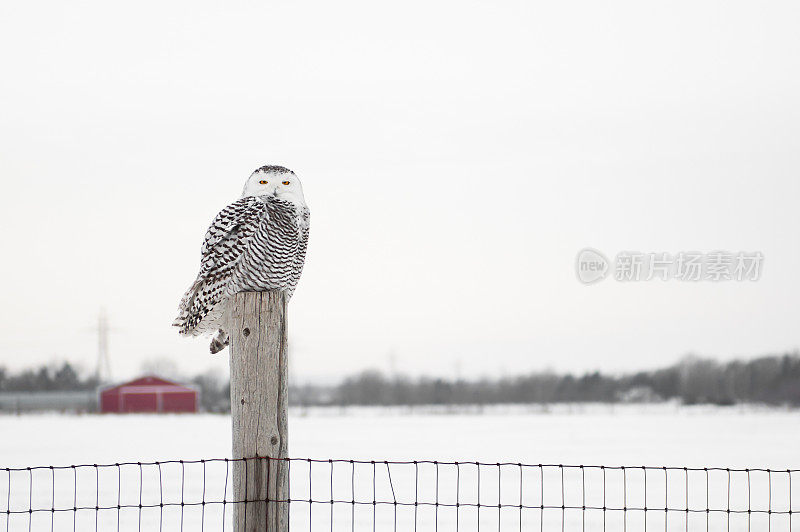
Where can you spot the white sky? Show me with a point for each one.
(455, 156)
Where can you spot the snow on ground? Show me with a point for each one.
(654, 435)
(658, 435)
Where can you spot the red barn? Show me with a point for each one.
(148, 394)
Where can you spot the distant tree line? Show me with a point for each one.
(773, 380)
(48, 378)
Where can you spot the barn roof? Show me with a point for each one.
(150, 383)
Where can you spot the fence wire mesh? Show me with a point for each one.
(364, 495)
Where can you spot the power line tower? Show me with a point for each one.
(103, 371)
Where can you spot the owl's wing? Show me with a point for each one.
(300, 257)
(223, 246)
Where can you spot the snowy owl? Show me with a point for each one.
(254, 244)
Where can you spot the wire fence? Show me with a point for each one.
(361, 495)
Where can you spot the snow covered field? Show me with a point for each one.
(656, 435)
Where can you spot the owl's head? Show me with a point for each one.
(275, 181)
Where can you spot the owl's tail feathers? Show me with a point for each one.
(220, 342)
(182, 323)
(187, 319)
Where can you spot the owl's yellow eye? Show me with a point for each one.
(262, 182)
(285, 182)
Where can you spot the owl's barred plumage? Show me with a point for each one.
(256, 243)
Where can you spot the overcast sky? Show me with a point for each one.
(455, 156)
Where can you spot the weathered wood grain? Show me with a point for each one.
(259, 393)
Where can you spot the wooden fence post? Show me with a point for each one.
(259, 397)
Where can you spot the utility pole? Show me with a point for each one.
(103, 371)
